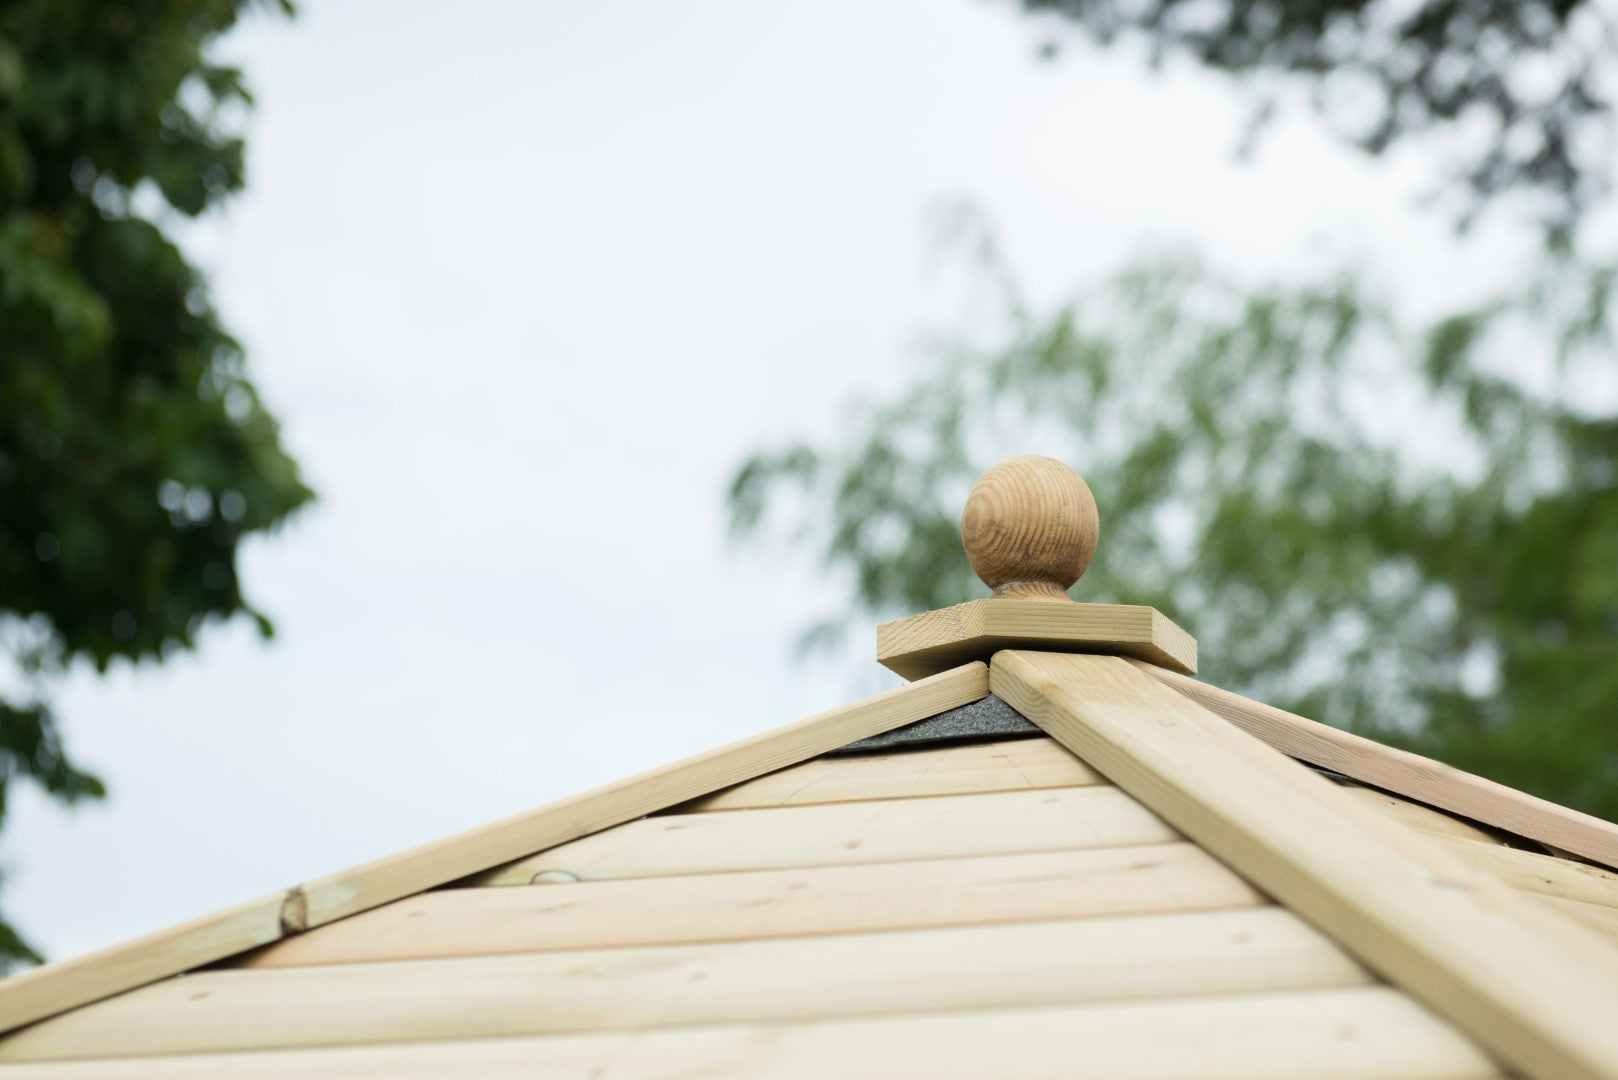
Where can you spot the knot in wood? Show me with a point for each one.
(1030, 528)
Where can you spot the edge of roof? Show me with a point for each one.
(1514, 975)
(1404, 773)
(1090, 704)
(45, 991)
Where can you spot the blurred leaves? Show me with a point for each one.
(1523, 88)
(135, 455)
(1410, 531)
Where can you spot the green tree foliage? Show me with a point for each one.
(1408, 531)
(1525, 87)
(135, 455)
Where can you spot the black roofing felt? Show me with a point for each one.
(990, 718)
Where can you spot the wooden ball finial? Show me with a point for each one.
(1030, 527)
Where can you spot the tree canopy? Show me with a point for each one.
(135, 454)
(1407, 530)
(1523, 89)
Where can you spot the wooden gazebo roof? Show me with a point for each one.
(1157, 878)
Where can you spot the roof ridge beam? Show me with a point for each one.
(1506, 970)
(1404, 773)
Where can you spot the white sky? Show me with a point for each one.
(525, 282)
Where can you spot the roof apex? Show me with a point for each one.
(1030, 528)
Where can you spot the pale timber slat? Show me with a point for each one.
(774, 903)
(1369, 1033)
(1546, 874)
(458, 856)
(1408, 774)
(48, 990)
(51, 989)
(1011, 765)
(1422, 818)
(834, 834)
(934, 640)
(1596, 918)
(917, 971)
(1511, 974)
(1529, 871)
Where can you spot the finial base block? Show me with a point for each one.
(939, 640)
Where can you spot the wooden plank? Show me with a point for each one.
(1011, 765)
(1511, 974)
(1408, 774)
(365, 887)
(1264, 949)
(1422, 818)
(837, 834)
(1363, 1033)
(774, 903)
(1599, 919)
(936, 640)
(45, 991)
(1527, 871)
(50, 989)
(1544, 874)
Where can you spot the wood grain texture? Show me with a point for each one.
(51, 989)
(774, 903)
(936, 640)
(365, 887)
(1030, 528)
(1422, 818)
(917, 971)
(1599, 919)
(1544, 874)
(963, 769)
(837, 834)
(45, 991)
(1529, 985)
(1408, 774)
(1368, 1033)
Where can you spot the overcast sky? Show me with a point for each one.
(525, 282)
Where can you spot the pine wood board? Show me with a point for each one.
(1009, 765)
(1548, 875)
(936, 640)
(782, 980)
(1411, 775)
(55, 987)
(1422, 818)
(1362, 1033)
(774, 903)
(837, 834)
(1508, 972)
(1598, 919)
(47, 990)
(1527, 871)
(471, 852)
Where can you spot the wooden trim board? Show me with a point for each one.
(1407, 774)
(1505, 968)
(55, 987)
(931, 642)
(1418, 816)
(1527, 871)
(48, 990)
